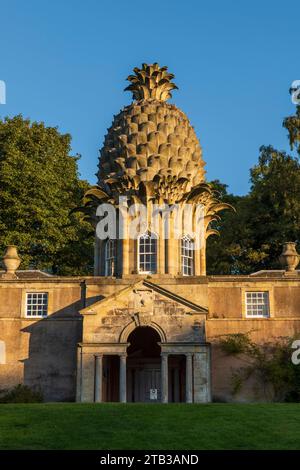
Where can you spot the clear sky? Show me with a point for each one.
(65, 63)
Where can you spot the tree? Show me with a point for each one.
(268, 216)
(292, 123)
(232, 252)
(274, 204)
(224, 251)
(39, 186)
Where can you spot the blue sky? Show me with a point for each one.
(65, 63)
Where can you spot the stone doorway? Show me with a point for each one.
(111, 379)
(177, 378)
(144, 366)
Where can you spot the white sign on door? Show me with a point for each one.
(153, 393)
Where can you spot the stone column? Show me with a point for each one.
(87, 377)
(161, 246)
(101, 261)
(78, 375)
(202, 393)
(173, 248)
(164, 378)
(124, 234)
(123, 398)
(189, 378)
(97, 256)
(125, 257)
(98, 378)
(203, 261)
(197, 263)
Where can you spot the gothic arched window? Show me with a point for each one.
(187, 256)
(147, 253)
(110, 257)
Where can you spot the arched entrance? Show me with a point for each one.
(144, 365)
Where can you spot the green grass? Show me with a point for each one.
(139, 426)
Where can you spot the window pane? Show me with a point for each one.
(110, 255)
(187, 256)
(257, 304)
(147, 244)
(36, 304)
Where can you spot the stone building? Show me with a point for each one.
(144, 327)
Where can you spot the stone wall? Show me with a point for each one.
(42, 352)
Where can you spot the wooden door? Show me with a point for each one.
(144, 385)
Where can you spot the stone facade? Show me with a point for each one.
(178, 322)
(145, 326)
(91, 318)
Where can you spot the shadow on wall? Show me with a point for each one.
(52, 353)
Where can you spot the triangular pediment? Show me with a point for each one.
(141, 296)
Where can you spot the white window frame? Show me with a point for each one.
(41, 304)
(257, 301)
(109, 256)
(187, 256)
(152, 253)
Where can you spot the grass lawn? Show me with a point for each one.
(140, 426)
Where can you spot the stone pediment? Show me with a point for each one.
(144, 299)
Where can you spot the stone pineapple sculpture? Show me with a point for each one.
(150, 140)
(151, 153)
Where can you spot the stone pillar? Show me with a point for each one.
(98, 378)
(164, 378)
(78, 375)
(173, 248)
(203, 261)
(197, 262)
(125, 257)
(123, 398)
(88, 377)
(189, 378)
(202, 392)
(124, 234)
(97, 256)
(101, 253)
(161, 246)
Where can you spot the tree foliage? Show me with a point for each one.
(251, 239)
(292, 124)
(20, 394)
(275, 203)
(270, 363)
(39, 186)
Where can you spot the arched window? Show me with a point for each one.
(187, 256)
(110, 257)
(147, 253)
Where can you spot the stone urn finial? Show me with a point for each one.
(289, 258)
(11, 262)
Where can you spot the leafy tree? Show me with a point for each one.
(274, 204)
(292, 124)
(39, 186)
(268, 216)
(224, 251)
(233, 251)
